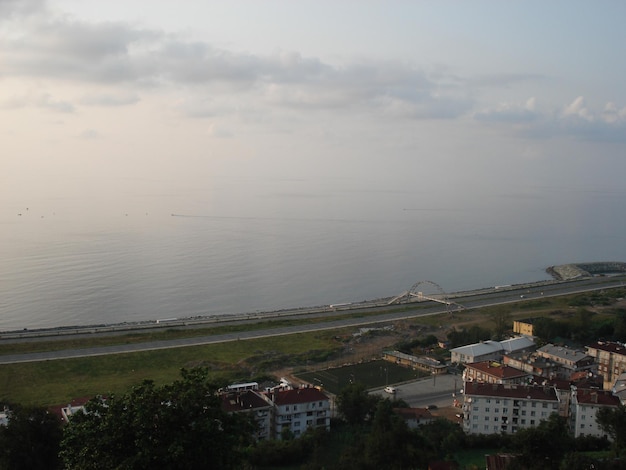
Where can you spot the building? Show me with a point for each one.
(299, 409)
(611, 360)
(524, 327)
(252, 402)
(506, 408)
(531, 364)
(427, 364)
(567, 361)
(414, 417)
(491, 350)
(585, 405)
(492, 372)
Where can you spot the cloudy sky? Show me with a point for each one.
(114, 99)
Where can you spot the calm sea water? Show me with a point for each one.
(65, 262)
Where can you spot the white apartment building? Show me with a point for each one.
(585, 404)
(506, 408)
(299, 409)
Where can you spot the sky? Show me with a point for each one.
(124, 100)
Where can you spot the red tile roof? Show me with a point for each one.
(243, 401)
(511, 391)
(497, 370)
(596, 397)
(298, 395)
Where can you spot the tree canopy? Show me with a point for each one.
(178, 426)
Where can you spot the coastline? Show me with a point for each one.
(560, 274)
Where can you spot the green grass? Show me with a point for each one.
(57, 381)
(371, 374)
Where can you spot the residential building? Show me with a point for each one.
(611, 360)
(414, 417)
(531, 364)
(252, 402)
(585, 405)
(494, 373)
(506, 408)
(299, 409)
(567, 361)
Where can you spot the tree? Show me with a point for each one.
(613, 422)
(544, 446)
(502, 323)
(176, 426)
(30, 440)
(355, 404)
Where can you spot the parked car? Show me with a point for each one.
(390, 389)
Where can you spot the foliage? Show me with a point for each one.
(473, 334)
(613, 422)
(501, 320)
(355, 405)
(544, 446)
(290, 451)
(176, 426)
(30, 440)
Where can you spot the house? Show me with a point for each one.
(494, 373)
(506, 408)
(567, 361)
(491, 350)
(414, 417)
(424, 363)
(585, 404)
(611, 360)
(252, 402)
(298, 409)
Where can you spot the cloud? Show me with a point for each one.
(89, 134)
(510, 113)
(59, 48)
(39, 100)
(575, 119)
(109, 99)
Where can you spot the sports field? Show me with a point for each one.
(371, 374)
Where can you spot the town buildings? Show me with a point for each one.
(585, 405)
(506, 408)
(280, 410)
(491, 350)
(611, 360)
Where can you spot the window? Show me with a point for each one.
(495, 419)
(534, 405)
(497, 410)
(475, 408)
(545, 405)
(532, 413)
(505, 410)
(487, 410)
(486, 418)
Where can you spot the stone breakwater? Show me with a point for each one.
(567, 272)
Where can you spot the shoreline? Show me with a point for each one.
(560, 274)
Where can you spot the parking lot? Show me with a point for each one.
(436, 391)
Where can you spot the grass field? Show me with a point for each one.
(371, 374)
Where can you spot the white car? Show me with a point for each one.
(391, 390)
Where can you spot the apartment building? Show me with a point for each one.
(299, 409)
(585, 404)
(567, 361)
(611, 360)
(254, 403)
(506, 408)
(492, 372)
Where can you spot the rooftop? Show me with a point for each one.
(529, 392)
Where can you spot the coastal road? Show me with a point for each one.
(476, 299)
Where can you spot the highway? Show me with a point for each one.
(475, 299)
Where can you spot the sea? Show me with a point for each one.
(140, 257)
